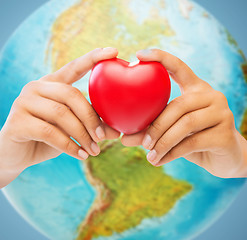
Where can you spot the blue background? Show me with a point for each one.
(233, 224)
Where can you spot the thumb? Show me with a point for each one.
(177, 69)
(76, 69)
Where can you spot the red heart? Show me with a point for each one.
(129, 98)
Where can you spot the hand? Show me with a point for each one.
(198, 125)
(47, 114)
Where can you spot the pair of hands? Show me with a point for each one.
(198, 125)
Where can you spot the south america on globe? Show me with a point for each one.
(125, 194)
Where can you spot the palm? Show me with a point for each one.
(218, 163)
(43, 152)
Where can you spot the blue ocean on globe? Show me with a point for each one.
(55, 196)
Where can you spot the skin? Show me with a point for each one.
(198, 125)
(46, 114)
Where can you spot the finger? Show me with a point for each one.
(76, 69)
(133, 139)
(178, 70)
(189, 124)
(42, 131)
(172, 113)
(74, 99)
(60, 115)
(196, 143)
(110, 132)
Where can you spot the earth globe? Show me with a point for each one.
(118, 194)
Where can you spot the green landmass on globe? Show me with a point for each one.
(77, 27)
(243, 127)
(129, 189)
(232, 41)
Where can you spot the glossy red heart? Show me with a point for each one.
(129, 97)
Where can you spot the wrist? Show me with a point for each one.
(11, 164)
(7, 177)
(242, 170)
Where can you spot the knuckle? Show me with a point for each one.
(74, 93)
(94, 55)
(31, 84)
(228, 120)
(156, 126)
(48, 78)
(156, 51)
(69, 146)
(47, 131)
(91, 117)
(188, 99)
(205, 87)
(201, 87)
(84, 136)
(181, 103)
(192, 141)
(18, 103)
(74, 66)
(96, 50)
(94, 59)
(16, 119)
(171, 154)
(73, 63)
(189, 120)
(30, 87)
(60, 110)
(228, 116)
(179, 100)
(161, 144)
(221, 98)
(178, 62)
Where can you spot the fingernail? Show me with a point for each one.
(151, 156)
(82, 154)
(95, 148)
(144, 52)
(100, 133)
(109, 49)
(147, 141)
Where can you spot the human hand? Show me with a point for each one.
(47, 113)
(198, 125)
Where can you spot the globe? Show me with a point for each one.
(118, 194)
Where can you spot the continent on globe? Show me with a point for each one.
(243, 127)
(185, 7)
(77, 27)
(232, 41)
(129, 189)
